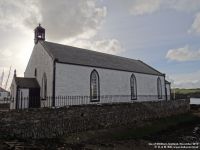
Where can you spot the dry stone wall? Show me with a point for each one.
(49, 123)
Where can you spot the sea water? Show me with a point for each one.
(195, 101)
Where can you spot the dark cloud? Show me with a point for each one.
(68, 19)
(64, 20)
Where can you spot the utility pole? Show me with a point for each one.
(8, 78)
(1, 81)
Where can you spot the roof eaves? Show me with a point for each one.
(106, 68)
(162, 74)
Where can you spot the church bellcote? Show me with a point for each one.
(39, 34)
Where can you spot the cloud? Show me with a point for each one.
(68, 19)
(183, 5)
(195, 28)
(63, 19)
(142, 7)
(110, 46)
(183, 54)
(6, 53)
(72, 20)
(14, 13)
(78, 21)
(186, 80)
(188, 85)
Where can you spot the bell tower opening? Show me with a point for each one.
(39, 34)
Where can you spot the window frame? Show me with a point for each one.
(35, 73)
(44, 87)
(159, 88)
(98, 87)
(134, 91)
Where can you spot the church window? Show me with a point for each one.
(35, 72)
(94, 86)
(133, 86)
(44, 86)
(159, 88)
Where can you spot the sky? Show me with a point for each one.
(163, 33)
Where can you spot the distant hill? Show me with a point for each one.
(187, 92)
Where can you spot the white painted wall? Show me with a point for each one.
(41, 60)
(74, 80)
(23, 98)
(13, 90)
(23, 102)
(168, 91)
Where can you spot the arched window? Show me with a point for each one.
(94, 86)
(133, 86)
(159, 88)
(35, 72)
(44, 86)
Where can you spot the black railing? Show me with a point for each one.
(4, 104)
(179, 96)
(61, 101)
(5, 100)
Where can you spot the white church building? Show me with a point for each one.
(85, 76)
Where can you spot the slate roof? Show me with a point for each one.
(26, 82)
(79, 56)
(2, 90)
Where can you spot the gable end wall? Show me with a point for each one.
(41, 60)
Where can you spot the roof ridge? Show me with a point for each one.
(80, 56)
(90, 50)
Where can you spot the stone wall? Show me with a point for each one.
(49, 123)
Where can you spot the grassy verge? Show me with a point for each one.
(157, 126)
(149, 128)
(186, 91)
(99, 137)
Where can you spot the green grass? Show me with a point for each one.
(123, 133)
(186, 91)
(155, 127)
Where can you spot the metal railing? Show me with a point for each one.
(5, 100)
(179, 96)
(4, 104)
(61, 101)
